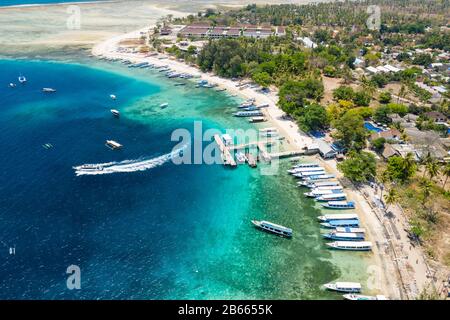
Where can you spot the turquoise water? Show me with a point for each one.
(170, 232)
(24, 2)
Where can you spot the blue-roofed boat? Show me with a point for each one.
(346, 236)
(339, 205)
(340, 223)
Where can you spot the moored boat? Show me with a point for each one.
(113, 144)
(339, 216)
(351, 245)
(351, 230)
(359, 297)
(273, 228)
(163, 105)
(305, 165)
(350, 287)
(22, 79)
(303, 175)
(115, 112)
(332, 197)
(339, 205)
(318, 177)
(340, 223)
(345, 236)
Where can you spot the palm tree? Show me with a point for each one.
(401, 93)
(391, 197)
(446, 173)
(428, 159)
(432, 168)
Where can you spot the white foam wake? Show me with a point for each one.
(141, 164)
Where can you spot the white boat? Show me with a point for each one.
(257, 119)
(319, 177)
(350, 287)
(12, 85)
(327, 188)
(351, 245)
(318, 193)
(247, 114)
(164, 105)
(22, 79)
(273, 228)
(112, 96)
(351, 230)
(48, 90)
(301, 170)
(115, 112)
(333, 224)
(90, 167)
(303, 175)
(339, 216)
(113, 144)
(332, 197)
(359, 297)
(313, 185)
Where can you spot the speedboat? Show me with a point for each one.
(350, 287)
(163, 105)
(115, 112)
(112, 96)
(359, 297)
(12, 85)
(22, 79)
(273, 228)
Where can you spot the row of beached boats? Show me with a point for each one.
(344, 228)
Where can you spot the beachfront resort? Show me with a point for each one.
(346, 169)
